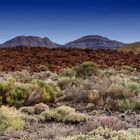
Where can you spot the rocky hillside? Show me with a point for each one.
(94, 41)
(133, 47)
(32, 41)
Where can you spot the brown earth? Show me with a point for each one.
(19, 58)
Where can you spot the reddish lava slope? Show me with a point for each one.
(19, 58)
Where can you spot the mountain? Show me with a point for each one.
(94, 41)
(90, 41)
(31, 41)
(133, 47)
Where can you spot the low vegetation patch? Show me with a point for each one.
(63, 114)
(105, 134)
(11, 119)
(86, 69)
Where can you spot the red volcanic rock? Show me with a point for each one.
(19, 58)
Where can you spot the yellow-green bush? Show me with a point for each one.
(5, 87)
(75, 117)
(127, 104)
(42, 68)
(11, 119)
(42, 92)
(18, 96)
(133, 86)
(86, 69)
(64, 81)
(68, 73)
(123, 94)
(64, 114)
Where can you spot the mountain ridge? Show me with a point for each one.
(32, 41)
(88, 41)
(94, 41)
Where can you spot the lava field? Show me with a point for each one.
(29, 58)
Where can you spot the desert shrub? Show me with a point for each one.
(65, 110)
(5, 87)
(78, 90)
(133, 86)
(11, 119)
(75, 117)
(22, 76)
(64, 114)
(106, 122)
(39, 83)
(127, 104)
(49, 92)
(128, 68)
(116, 91)
(42, 68)
(105, 134)
(18, 96)
(64, 81)
(136, 100)
(42, 92)
(86, 69)
(123, 95)
(69, 72)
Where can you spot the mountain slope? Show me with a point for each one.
(31, 41)
(94, 41)
(133, 47)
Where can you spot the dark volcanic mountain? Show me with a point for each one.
(94, 41)
(31, 41)
(90, 41)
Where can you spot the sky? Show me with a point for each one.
(66, 20)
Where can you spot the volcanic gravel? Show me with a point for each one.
(29, 58)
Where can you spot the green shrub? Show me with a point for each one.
(64, 81)
(11, 119)
(68, 73)
(116, 91)
(127, 104)
(86, 69)
(18, 96)
(42, 92)
(75, 117)
(39, 83)
(5, 87)
(133, 86)
(63, 114)
(42, 68)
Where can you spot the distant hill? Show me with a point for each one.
(93, 42)
(133, 47)
(32, 41)
(90, 41)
